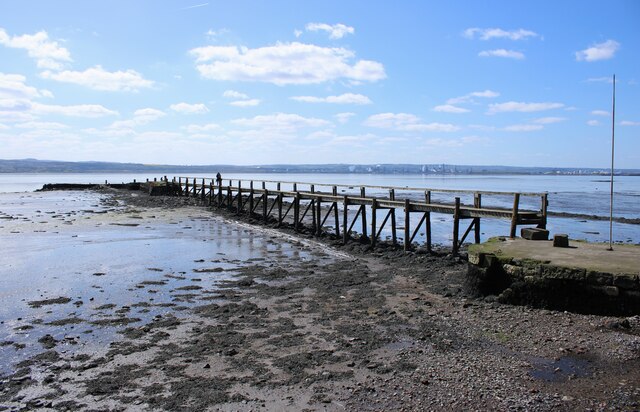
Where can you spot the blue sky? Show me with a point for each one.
(247, 82)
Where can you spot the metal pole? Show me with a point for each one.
(613, 129)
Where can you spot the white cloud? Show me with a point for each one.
(197, 128)
(346, 98)
(14, 116)
(344, 117)
(214, 34)
(110, 132)
(245, 103)
(600, 113)
(42, 125)
(599, 51)
(549, 120)
(482, 127)
(4, 127)
(13, 86)
(232, 94)
(141, 117)
(15, 105)
(629, 123)
(47, 53)
(82, 110)
(522, 107)
(449, 108)
(283, 122)
(336, 31)
(524, 128)
(495, 33)
(510, 54)
(600, 80)
(407, 123)
(468, 98)
(242, 100)
(186, 108)
(97, 78)
(284, 63)
(593, 123)
(440, 142)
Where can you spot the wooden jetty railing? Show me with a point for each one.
(278, 199)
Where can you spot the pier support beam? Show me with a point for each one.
(407, 225)
(477, 203)
(514, 216)
(456, 226)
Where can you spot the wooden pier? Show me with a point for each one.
(376, 207)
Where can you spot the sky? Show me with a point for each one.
(519, 83)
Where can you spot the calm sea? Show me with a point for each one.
(582, 195)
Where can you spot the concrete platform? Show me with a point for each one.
(623, 259)
(584, 277)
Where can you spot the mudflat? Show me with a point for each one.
(200, 311)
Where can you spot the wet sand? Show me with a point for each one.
(186, 310)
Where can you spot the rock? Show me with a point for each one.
(560, 240)
(534, 233)
(231, 352)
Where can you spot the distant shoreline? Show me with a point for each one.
(49, 166)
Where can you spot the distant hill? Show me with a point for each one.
(53, 166)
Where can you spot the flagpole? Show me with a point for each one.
(613, 129)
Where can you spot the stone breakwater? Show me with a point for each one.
(532, 273)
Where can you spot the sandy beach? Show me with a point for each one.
(121, 301)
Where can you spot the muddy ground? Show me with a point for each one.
(356, 329)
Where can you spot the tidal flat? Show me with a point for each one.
(118, 301)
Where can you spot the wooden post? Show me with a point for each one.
(336, 218)
(514, 215)
(362, 192)
(210, 193)
(239, 210)
(251, 194)
(392, 211)
(314, 226)
(407, 225)
(280, 196)
(202, 192)
(543, 211)
(179, 186)
(427, 198)
(195, 187)
(296, 211)
(318, 217)
(345, 215)
(312, 188)
(363, 219)
(295, 187)
(374, 230)
(477, 203)
(265, 210)
(219, 193)
(186, 187)
(229, 196)
(456, 225)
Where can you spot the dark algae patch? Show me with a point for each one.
(54, 301)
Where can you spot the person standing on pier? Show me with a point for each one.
(219, 179)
